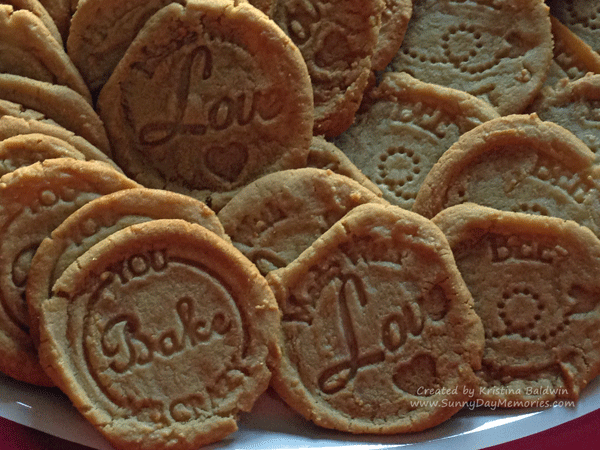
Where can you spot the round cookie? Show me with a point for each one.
(34, 53)
(221, 114)
(499, 51)
(161, 334)
(575, 106)
(36, 199)
(325, 155)
(573, 58)
(403, 128)
(38, 9)
(14, 126)
(95, 221)
(394, 21)
(582, 17)
(58, 103)
(102, 30)
(517, 163)
(26, 149)
(378, 330)
(337, 41)
(540, 310)
(274, 219)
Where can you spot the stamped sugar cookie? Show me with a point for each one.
(499, 51)
(378, 328)
(161, 334)
(582, 17)
(325, 155)
(26, 149)
(575, 106)
(222, 113)
(102, 30)
(15, 126)
(277, 217)
(535, 282)
(337, 41)
(34, 53)
(34, 200)
(95, 221)
(403, 128)
(573, 58)
(38, 9)
(57, 103)
(517, 163)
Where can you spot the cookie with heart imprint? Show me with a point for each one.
(378, 333)
(221, 113)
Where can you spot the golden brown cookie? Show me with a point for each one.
(337, 41)
(573, 58)
(26, 149)
(517, 163)
(394, 21)
(102, 30)
(535, 282)
(38, 9)
(222, 113)
(575, 106)
(36, 199)
(277, 217)
(378, 331)
(403, 128)
(61, 12)
(499, 51)
(95, 221)
(14, 126)
(161, 334)
(582, 17)
(325, 155)
(58, 103)
(34, 53)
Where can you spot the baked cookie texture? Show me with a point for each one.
(516, 163)
(337, 41)
(574, 106)
(402, 129)
(95, 221)
(26, 149)
(35, 199)
(581, 17)
(161, 334)
(34, 53)
(540, 310)
(221, 114)
(377, 325)
(275, 218)
(499, 51)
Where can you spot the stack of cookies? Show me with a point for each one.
(384, 210)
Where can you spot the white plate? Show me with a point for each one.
(272, 425)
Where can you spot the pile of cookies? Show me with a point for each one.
(384, 210)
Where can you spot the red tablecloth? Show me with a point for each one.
(578, 434)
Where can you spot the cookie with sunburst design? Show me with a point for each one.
(496, 50)
(540, 311)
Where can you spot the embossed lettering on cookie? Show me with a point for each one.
(379, 334)
(160, 334)
(208, 97)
